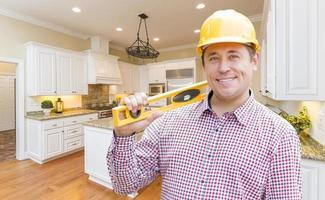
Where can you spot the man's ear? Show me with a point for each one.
(255, 61)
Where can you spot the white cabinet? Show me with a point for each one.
(292, 61)
(156, 73)
(313, 174)
(55, 71)
(132, 78)
(49, 139)
(41, 65)
(79, 80)
(53, 142)
(103, 69)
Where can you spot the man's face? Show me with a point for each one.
(229, 69)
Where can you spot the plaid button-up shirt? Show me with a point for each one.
(250, 153)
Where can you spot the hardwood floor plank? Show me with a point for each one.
(61, 179)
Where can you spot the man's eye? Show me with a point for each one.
(232, 57)
(214, 58)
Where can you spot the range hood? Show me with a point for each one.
(102, 67)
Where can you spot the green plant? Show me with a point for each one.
(301, 121)
(46, 104)
(114, 103)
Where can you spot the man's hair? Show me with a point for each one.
(250, 48)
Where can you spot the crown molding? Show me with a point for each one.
(255, 18)
(44, 24)
(180, 47)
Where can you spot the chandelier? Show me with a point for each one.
(140, 48)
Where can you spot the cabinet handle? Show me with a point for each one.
(74, 121)
(266, 91)
(54, 125)
(74, 131)
(91, 118)
(74, 92)
(54, 91)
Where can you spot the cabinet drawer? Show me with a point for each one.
(73, 143)
(53, 124)
(72, 121)
(72, 131)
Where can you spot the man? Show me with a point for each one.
(227, 146)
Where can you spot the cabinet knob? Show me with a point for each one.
(266, 91)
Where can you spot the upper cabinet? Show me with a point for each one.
(55, 71)
(103, 69)
(157, 73)
(292, 48)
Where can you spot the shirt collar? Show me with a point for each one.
(242, 113)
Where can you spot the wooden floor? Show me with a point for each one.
(60, 179)
(7, 145)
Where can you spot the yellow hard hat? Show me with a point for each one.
(227, 26)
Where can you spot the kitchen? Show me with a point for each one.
(121, 74)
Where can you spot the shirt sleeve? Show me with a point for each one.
(285, 178)
(133, 165)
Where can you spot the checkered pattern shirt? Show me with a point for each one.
(250, 153)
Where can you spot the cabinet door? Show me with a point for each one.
(156, 74)
(310, 182)
(79, 75)
(45, 60)
(64, 73)
(126, 75)
(143, 78)
(294, 63)
(53, 142)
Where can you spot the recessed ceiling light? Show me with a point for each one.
(76, 10)
(156, 39)
(197, 31)
(119, 29)
(200, 6)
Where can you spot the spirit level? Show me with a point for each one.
(178, 98)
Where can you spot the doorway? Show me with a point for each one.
(8, 111)
(18, 99)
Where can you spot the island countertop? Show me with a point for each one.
(310, 148)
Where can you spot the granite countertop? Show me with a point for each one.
(310, 148)
(105, 123)
(39, 115)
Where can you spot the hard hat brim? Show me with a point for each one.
(240, 40)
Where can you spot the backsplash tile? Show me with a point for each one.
(97, 94)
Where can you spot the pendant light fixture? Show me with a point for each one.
(140, 48)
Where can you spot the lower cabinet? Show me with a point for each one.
(49, 139)
(313, 175)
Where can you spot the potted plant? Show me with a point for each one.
(47, 106)
(300, 122)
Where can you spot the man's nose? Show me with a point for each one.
(224, 66)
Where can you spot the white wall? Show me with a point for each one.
(7, 102)
(7, 68)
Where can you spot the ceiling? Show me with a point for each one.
(173, 21)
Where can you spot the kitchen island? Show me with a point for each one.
(98, 137)
(99, 134)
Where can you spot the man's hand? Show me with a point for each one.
(135, 103)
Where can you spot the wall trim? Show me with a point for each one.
(20, 106)
(41, 23)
